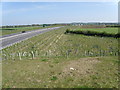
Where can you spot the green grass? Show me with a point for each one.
(100, 72)
(6, 31)
(44, 61)
(107, 30)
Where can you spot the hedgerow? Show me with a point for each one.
(93, 33)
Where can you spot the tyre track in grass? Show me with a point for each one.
(46, 42)
(11, 40)
(21, 46)
(51, 48)
(24, 44)
(36, 53)
(57, 46)
(39, 41)
(28, 43)
(29, 50)
(62, 46)
(43, 43)
(54, 41)
(54, 47)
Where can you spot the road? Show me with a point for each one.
(9, 40)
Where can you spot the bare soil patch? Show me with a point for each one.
(79, 68)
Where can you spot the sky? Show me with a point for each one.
(60, 0)
(16, 13)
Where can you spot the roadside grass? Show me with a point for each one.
(56, 60)
(6, 31)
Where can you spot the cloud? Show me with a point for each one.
(45, 6)
(34, 7)
(16, 10)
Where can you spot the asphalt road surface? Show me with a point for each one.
(16, 38)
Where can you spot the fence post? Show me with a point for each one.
(19, 54)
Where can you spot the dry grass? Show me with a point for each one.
(60, 72)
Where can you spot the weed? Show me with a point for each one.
(44, 60)
(54, 78)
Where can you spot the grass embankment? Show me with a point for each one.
(55, 59)
(103, 32)
(6, 31)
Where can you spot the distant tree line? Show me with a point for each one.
(33, 25)
(16, 26)
(93, 33)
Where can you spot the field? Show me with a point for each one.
(107, 30)
(58, 60)
(6, 31)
